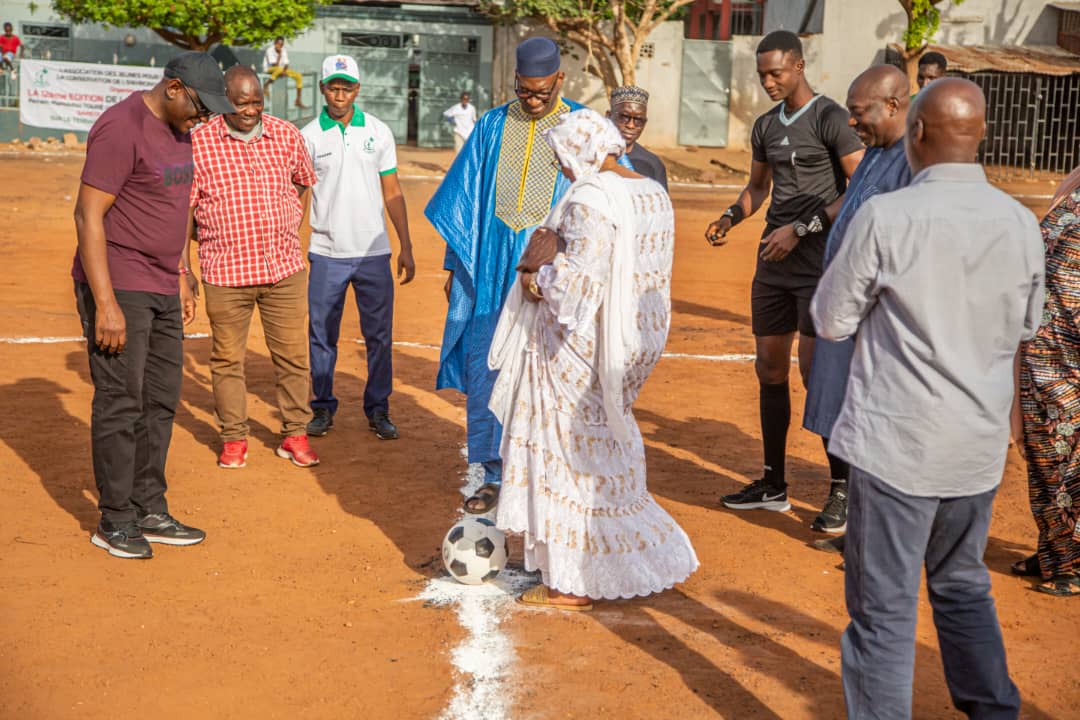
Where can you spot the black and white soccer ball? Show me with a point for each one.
(474, 551)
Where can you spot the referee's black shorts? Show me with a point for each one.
(781, 292)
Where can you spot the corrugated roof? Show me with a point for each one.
(1039, 59)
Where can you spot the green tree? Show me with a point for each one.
(194, 25)
(611, 32)
(923, 22)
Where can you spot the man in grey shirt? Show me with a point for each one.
(942, 281)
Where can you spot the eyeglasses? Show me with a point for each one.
(541, 95)
(201, 111)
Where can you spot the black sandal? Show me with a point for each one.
(1061, 586)
(485, 499)
(1028, 567)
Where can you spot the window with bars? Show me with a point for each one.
(47, 41)
(721, 19)
(1032, 122)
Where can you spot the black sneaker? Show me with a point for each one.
(831, 545)
(833, 517)
(383, 428)
(758, 496)
(123, 540)
(321, 423)
(165, 529)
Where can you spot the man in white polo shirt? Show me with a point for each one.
(356, 166)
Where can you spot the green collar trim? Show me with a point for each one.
(326, 122)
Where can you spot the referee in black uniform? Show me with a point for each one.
(804, 151)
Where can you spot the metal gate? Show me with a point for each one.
(449, 66)
(706, 91)
(383, 60)
(1032, 122)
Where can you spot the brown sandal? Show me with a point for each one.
(486, 496)
(1067, 585)
(539, 596)
(1028, 567)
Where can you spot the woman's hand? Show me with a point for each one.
(529, 287)
(541, 250)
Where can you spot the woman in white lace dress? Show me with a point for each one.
(571, 366)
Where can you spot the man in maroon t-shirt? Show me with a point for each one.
(132, 218)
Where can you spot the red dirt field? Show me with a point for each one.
(298, 605)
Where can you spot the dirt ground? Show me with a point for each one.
(299, 604)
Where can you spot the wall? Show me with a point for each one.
(659, 75)
(748, 100)
(866, 27)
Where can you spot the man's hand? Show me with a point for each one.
(110, 327)
(717, 231)
(779, 243)
(541, 250)
(406, 266)
(189, 295)
(449, 285)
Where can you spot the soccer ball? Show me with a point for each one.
(474, 551)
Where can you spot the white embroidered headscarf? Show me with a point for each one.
(582, 141)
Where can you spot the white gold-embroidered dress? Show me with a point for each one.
(570, 485)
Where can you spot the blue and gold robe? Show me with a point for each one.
(501, 186)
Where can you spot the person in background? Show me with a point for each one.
(249, 256)
(1049, 405)
(463, 117)
(932, 66)
(10, 44)
(134, 295)
(356, 166)
(938, 283)
(276, 63)
(630, 113)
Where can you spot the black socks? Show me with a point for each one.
(775, 405)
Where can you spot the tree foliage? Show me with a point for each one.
(923, 22)
(195, 25)
(611, 32)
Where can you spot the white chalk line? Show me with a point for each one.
(725, 357)
(483, 661)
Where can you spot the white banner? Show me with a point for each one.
(71, 95)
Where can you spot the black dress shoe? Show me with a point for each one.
(321, 423)
(382, 427)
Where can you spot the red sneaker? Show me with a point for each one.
(234, 455)
(297, 449)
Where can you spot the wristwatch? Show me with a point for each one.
(728, 214)
(803, 229)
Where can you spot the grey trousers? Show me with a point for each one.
(890, 536)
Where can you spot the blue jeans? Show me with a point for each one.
(890, 537)
(373, 285)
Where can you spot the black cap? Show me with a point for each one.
(200, 72)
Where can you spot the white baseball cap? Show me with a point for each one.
(340, 67)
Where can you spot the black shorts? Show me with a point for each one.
(776, 310)
(781, 293)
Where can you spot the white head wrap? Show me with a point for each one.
(582, 141)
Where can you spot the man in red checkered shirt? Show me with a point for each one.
(251, 173)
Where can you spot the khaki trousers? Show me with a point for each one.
(283, 312)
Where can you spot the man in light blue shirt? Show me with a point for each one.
(941, 280)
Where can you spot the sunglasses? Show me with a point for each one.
(201, 111)
(630, 120)
(541, 95)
